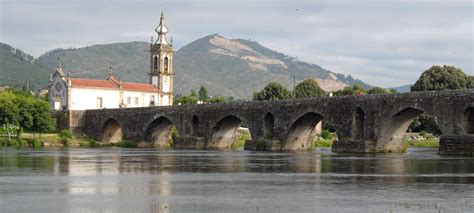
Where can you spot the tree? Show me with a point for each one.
(22, 109)
(184, 100)
(217, 99)
(42, 120)
(443, 78)
(193, 93)
(438, 78)
(379, 90)
(203, 94)
(273, 91)
(351, 90)
(425, 123)
(309, 88)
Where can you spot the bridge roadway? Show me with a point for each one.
(368, 123)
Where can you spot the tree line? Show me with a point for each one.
(201, 97)
(21, 109)
(435, 78)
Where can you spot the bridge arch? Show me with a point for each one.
(111, 131)
(468, 125)
(392, 130)
(268, 125)
(301, 134)
(224, 132)
(358, 124)
(158, 132)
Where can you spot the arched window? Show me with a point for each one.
(155, 62)
(166, 64)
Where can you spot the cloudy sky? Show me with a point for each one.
(383, 42)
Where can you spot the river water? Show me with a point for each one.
(149, 180)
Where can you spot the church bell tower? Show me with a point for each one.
(161, 64)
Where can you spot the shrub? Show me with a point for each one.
(326, 134)
(65, 134)
(88, 143)
(127, 144)
(35, 143)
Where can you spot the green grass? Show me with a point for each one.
(240, 141)
(434, 143)
(321, 142)
(88, 143)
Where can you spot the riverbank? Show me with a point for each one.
(410, 139)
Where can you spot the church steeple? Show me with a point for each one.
(161, 63)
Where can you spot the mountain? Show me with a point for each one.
(18, 69)
(227, 67)
(239, 67)
(403, 89)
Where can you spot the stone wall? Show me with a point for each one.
(457, 145)
(377, 120)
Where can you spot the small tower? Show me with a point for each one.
(161, 64)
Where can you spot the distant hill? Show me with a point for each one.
(17, 69)
(227, 67)
(403, 89)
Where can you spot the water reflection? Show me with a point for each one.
(115, 161)
(114, 179)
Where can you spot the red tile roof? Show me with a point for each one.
(112, 83)
(139, 87)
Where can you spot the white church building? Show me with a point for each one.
(67, 93)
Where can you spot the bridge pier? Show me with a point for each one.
(353, 146)
(451, 144)
(189, 142)
(263, 145)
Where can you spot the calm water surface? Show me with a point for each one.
(148, 180)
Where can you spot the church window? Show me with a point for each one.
(152, 100)
(166, 64)
(129, 100)
(99, 103)
(136, 100)
(155, 62)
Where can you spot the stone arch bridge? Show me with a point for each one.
(368, 123)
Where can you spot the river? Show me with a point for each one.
(150, 180)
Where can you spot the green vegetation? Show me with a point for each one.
(309, 88)
(351, 90)
(126, 144)
(325, 140)
(321, 142)
(438, 78)
(19, 69)
(443, 78)
(240, 140)
(88, 143)
(203, 98)
(203, 94)
(423, 139)
(65, 137)
(380, 90)
(20, 111)
(273, 91)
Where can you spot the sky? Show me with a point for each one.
(382, 42)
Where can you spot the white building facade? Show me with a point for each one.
(66, 93)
